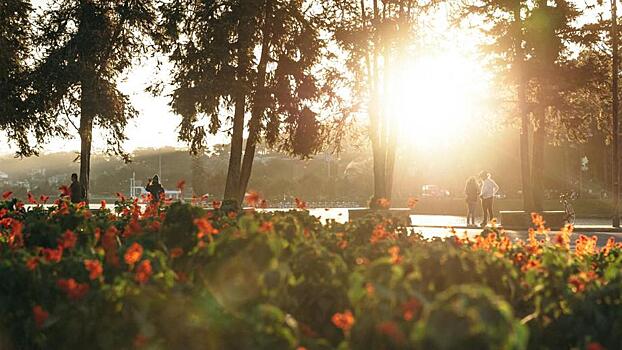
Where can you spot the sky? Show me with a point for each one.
(157, 126)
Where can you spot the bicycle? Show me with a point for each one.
(565, 199)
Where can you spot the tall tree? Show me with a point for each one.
(378, 37)
(87, 45)
(549, 30)
(15, 48)
(252, 65)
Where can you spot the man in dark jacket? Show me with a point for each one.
(155, 188)
(76, 190)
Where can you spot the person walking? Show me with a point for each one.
(487, 193)
(77, 192)
(471, 190)
(155, 188)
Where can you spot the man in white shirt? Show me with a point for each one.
(487, 193)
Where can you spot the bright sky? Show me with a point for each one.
(438, 93)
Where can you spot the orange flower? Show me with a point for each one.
(391, 330)
(73, 289)
(140, 341)
(412, 202)
(370, 289)
(594, 346)
(40, 315)
(252, 198)
(411, 308)
(395, 255)
(344, 320)
(383, 203)
(611, 242)
(94, 267)
(31, 198)
(266, 226)
(176, 252)
(133, 254)
(68, 240)
(155, 225)
(379, 234)
(64, 191)
(181, 184)
(53, 255)
(32, 263)
(300, 204)
(205, 228)
(216, 204)
(143, 272)
(342, 244)
(132, 228)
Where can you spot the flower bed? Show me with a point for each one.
(179, 277)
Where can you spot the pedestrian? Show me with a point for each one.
(487, 193)
(471, 190)
(155, 188)
(77, 192)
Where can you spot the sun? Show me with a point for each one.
(438, 98)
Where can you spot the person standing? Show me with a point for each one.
(471, 190)
(77, 192)
(155, 188)
(487, 193)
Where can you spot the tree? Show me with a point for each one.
(531, 41)
(549, 31)
(15, 45)
(378, 37)
(87, 45)
(256, 61)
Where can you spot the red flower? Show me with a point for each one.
(252, 198)
(103, 204)
(176, 252)
(44, 199)
(94, 267)
(216, 204)
(69, 239)
(383, 203)
(120, 196)
(410, 309)
(594, 346)
(266, 226)
(155, 225)
(133, 254)
(300, 204)
(181, 184)
(31, 198)
(53, 255)
(263, 204)
(64, 191)
(40, 315)
(73, 289)
(32, 263)
(6, 195)
(344, 320)
(391, 330)
(412, 202)
(205, 228)
(143, 272)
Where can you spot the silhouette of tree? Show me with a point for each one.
(15, 45)
(254, 66)
(87, 45)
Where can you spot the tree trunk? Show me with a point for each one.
(519, 65)
(85, 130)
(258, 106)
(378, 144)
(537, 170)
(86, 135)
(235, 157)
(232, 186)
